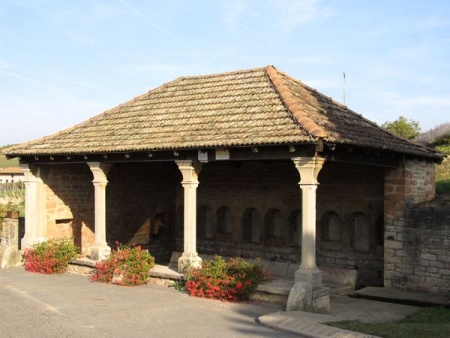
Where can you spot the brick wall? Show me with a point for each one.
(352, 191)
(140, 195)
(69, 204)
(264, 186)
(136, 195)
(417, 254)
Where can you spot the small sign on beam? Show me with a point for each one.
(222, 154)
(203, 155)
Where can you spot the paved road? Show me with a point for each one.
(34, 305)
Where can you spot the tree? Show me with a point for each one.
(402, 127)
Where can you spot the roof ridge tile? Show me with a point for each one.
(291, 104)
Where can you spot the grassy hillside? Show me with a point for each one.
(4, 163)
(443, 178)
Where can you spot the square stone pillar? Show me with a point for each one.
(100, 249)
(34, 202)
(308, 293)
(190, 172)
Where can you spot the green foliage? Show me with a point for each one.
(443, 187)
(52, 256)
(125, 266)
(230, 281)
(402, 127)
(429, 322)
(445, 149)
(4, 208)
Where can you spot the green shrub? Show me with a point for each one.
(445, 149)
(52, 256)
(230, 281)
(443, 187)
(125, 266)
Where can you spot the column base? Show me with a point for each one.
(29, 242)
(187, 261)
(308, 293)
(99, 252)
(312, 276)
(303, 297)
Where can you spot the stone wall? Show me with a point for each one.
(141, 206)
(346, 190)
(9, 241)
(349, 219)
(417, 250)
(250, 209)
(417, 254)
(69, 204)
(137, 196)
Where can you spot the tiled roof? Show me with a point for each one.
(11, 171)
(260, 106)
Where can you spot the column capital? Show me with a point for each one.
(308, 168)
(100, 171)
(28, 173)
(190, 170)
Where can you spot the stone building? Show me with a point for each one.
(11, 175)
(229, 164)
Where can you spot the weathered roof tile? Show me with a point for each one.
(260, 106)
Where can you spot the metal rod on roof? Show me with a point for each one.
(343, 89)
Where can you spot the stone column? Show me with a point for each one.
(100, 249)
(34, 201)
(308, 294)
(190, 172)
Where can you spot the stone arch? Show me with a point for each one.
(359, 228)
(295, 228)
(204, 223)
(252, 226)
(223, 219)
(331, 227)
(274, 228)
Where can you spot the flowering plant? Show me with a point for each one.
(229, 281)
(51, 256)
(125, 266)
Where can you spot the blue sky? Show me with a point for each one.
(62, 62)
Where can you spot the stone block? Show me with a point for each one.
(424, 262)
(12, 214)
(428, 257)
(277, 269)
(444, 272)
(339, 276)
(444, 258)
(438, 265)
(393, 245)
(303, 297)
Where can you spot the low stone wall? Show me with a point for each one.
(417, 250)
(9, 242)
(285, 271)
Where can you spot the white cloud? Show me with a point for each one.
(152, 23)
(294, 13)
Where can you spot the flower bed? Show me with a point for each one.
(125, 266)
(52, 256)
(234, 280)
